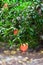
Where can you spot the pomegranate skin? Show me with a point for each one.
(24, 48)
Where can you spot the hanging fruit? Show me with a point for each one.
(15, 31)
(24, 47)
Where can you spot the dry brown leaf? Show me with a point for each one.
(18, 49)
(25, 59)
(6, 51)
(13, 52)
(41, 51)
(20, 61)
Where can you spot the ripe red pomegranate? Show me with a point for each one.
(15, 32)
(24, 47)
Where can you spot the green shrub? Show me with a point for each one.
(27, 17)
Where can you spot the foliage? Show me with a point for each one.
(26, 17)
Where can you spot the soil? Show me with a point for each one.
(13, 57)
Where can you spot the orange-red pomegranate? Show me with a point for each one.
(15, 32)
(24, 47)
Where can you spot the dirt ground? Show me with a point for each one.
(20, 58)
